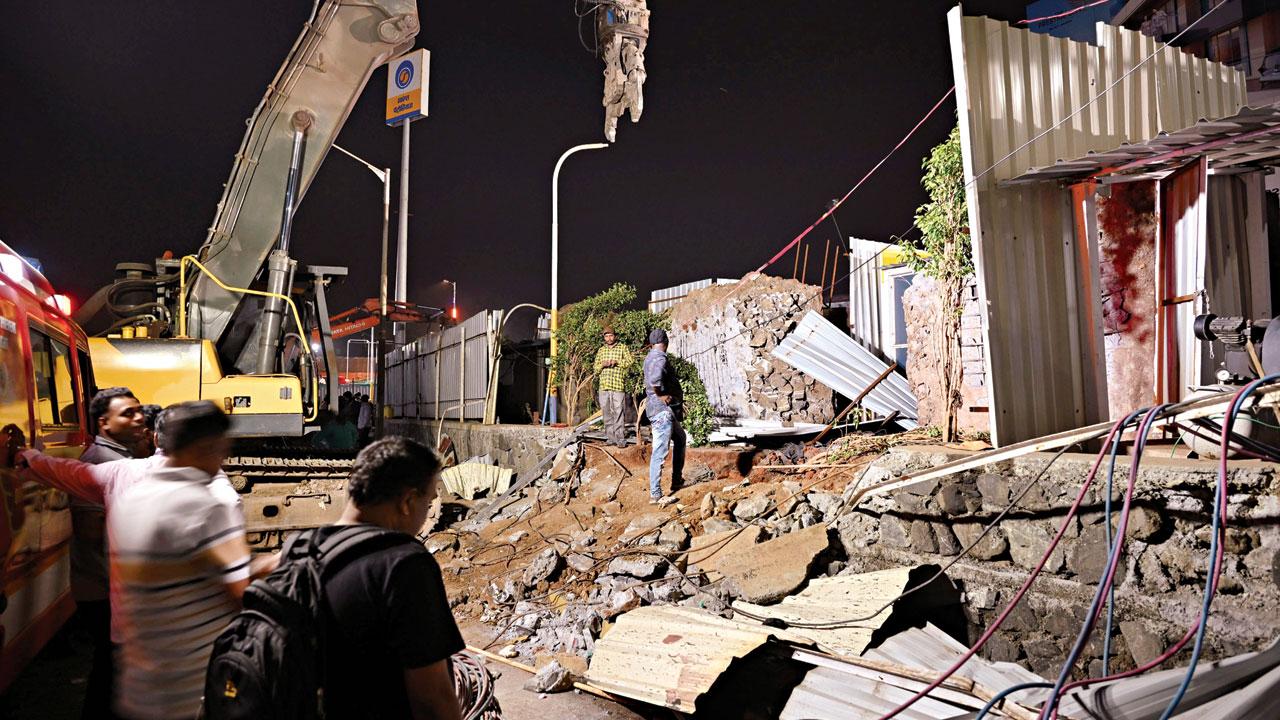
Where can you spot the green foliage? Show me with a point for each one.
(947, 251)
(699, 417)
(580, 336)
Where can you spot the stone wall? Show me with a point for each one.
(515, 446)
(922, 307)
(728, 331)
(1160, 579)
(1127, 228)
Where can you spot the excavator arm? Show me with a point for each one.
(328, 67)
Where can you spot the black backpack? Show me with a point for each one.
(268, 663)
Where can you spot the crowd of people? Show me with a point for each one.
(161, 563)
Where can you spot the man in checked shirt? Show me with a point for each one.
(613, 359)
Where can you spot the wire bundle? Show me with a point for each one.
(474, 687)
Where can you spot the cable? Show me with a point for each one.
(870, 172)
(1022, 591)
(1095, 3)
(963, 554)
(1111, 595)
(1007, 692)
(1116, 550)
(1218, 524)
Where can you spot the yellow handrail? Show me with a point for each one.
(297, 319)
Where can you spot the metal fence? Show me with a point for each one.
(444, 374)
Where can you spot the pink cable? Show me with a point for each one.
(871, 172)
(1217, 574)
(1028, 21)
(1017, 598)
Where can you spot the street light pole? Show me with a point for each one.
(453, 304)
(384, 175)
(555, 266)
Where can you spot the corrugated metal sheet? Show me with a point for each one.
(864, 291)
(836, 598)
(849, 688)
(1237, 273)
(665, 298)
(818, 348)
(1041, 328)
(1247, 139)
(444, 374)
(669, 656)
(1180, 266)
(1145, 697)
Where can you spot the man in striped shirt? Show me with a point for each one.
(179, 566)
(613, 359)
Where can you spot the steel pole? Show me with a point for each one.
(402, 229)
(381, 353)
(555, 269)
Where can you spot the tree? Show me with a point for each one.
(579, 336)
(946, 255)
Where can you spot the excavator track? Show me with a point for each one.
(283, 494)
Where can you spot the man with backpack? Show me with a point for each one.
(354, 622)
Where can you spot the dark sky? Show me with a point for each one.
(119, 120)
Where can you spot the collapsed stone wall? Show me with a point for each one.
(921, 307)
(518, 447)
(728, 332)
(1160, 579)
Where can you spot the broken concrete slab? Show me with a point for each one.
(706, 551)
(752, 507)
(772, 570)
(543, 567)
(716, 525)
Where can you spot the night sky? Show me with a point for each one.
(119, 121)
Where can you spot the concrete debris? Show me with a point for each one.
(543, 567)
(774, 569)
(644, 529)
(751, 507)
(641, 567)
(552, 678)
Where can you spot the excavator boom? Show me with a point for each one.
(331, 62)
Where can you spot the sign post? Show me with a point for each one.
(407, 95)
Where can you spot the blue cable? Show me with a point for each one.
(1086, 629)
(1005, 693)
(1111, 592)
(1228, 422)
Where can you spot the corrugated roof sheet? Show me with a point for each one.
(836, 598)
(818, 348)
(1249, 139)
(669, 656)
(1037, 286)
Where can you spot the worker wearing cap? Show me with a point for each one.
(613, 359)
(664, 405)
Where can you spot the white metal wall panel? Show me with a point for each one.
(864, 291)
(1182, 253)
(1236, 275)
(1013, 86)
(444, 374)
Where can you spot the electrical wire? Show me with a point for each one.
(1082, 8)
(1106, 519)
(795, 241)
(474, 687)
(1022, 591)
(1108, 578)
(1218, 528)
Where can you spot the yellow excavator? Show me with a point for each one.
(233, 321)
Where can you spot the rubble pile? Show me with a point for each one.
(554, 569)
(582, 545)
(728, 331)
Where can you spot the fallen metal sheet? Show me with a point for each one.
(829, 694)
(1145, 697)
(669, 656)
(837, 598)
(471, 478)
(818, 348)
(1258, 699)
(748, 430)
(931, 649)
